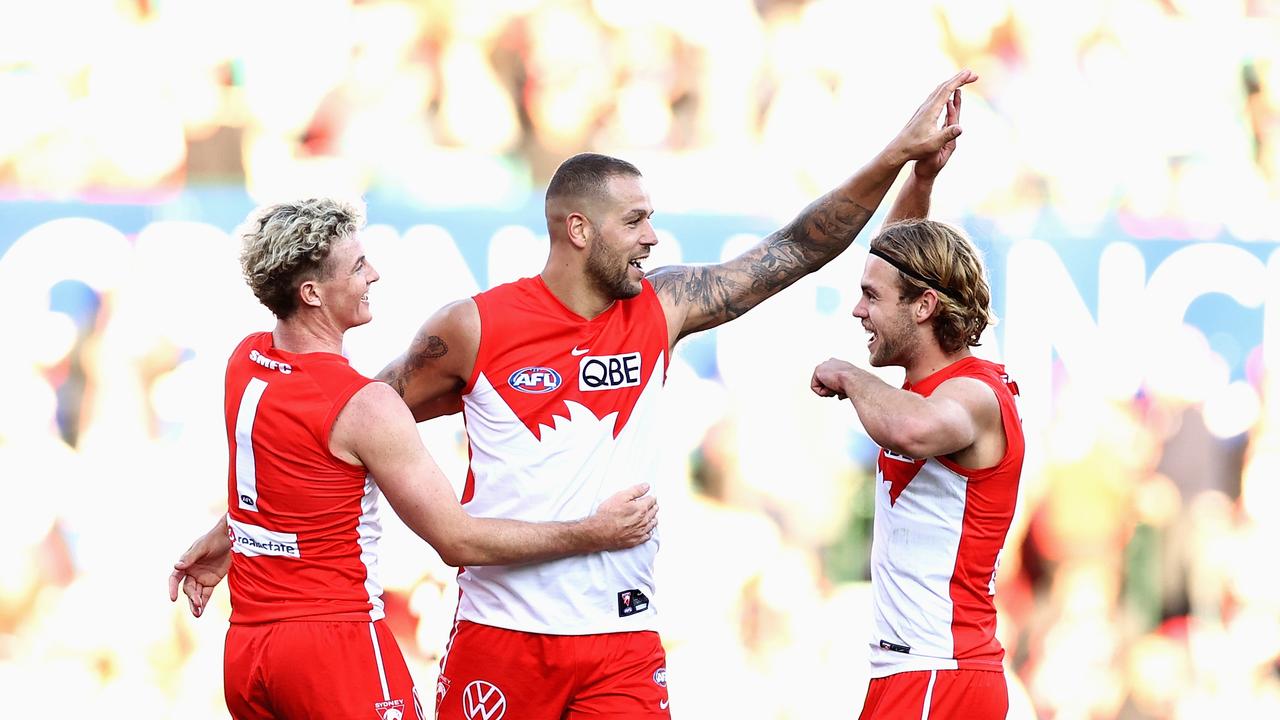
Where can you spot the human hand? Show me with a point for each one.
(627, 518)
(921, 139)
(928, 167)
(828, 380)
(200, 569)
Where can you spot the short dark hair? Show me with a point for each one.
(587, 175)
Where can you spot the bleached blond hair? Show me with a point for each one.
(287, 244)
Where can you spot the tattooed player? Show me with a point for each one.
(557, 376)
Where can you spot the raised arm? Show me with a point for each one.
(701, 297)
(375, 429)
(430, 374)
(914, 197)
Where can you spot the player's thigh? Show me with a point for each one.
(489, 672)
(976, 694)
(627, 679)
(340, 670)
(971, 694)
(900, 696)
(243, 656)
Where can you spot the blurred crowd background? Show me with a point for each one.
(1119, 168)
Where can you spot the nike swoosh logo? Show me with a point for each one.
(576, 352)
(662, 705)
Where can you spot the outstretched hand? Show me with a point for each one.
(200, 569)
(628, 517)
(922, 139)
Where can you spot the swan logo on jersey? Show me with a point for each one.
(898, 473)
(609, 372)
(534, 379)
(390, 709)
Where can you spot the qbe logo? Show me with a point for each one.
(534, 379)
(609, 372)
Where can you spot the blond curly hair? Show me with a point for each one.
(288, 244)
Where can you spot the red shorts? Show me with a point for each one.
(969, 694)
(317, 670)
(489, 673)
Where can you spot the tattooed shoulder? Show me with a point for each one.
(424, 349)
(398, 373)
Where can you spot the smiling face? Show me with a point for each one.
(886, 316)
(621, 239)
(344, 290)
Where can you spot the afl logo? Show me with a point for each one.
(536, 380)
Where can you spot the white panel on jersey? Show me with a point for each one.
(913, 557)
(576, 595)
(252, 540)
(369, 531)
(246, 470)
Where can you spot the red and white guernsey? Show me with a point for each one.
(939, 530)
(560, 414)
(303, 524)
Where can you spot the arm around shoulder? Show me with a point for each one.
(376, 430)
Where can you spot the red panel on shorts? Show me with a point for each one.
(969, 694)
(492, 673)
(317, 670)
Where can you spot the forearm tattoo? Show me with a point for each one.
(719, 293)
(398, 373)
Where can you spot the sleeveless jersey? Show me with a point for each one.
(560, 414)
(939, 531)
(303, 524)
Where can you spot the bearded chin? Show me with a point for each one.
(610, 279)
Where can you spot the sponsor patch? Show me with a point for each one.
(251, 540)
(885, 644)
(609, 372)
(631, 602)
(482, 700)
(534, 379)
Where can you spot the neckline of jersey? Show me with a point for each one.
(935, 378)
(566, 310)
(271, 338)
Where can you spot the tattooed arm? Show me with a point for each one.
(438, 363)
(701, 297)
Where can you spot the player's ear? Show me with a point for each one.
(579, 229)
(309, 293)
(926, 306)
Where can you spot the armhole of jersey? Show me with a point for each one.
(667, 349)
(339, 402)
(475, 367)
(980, 473)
